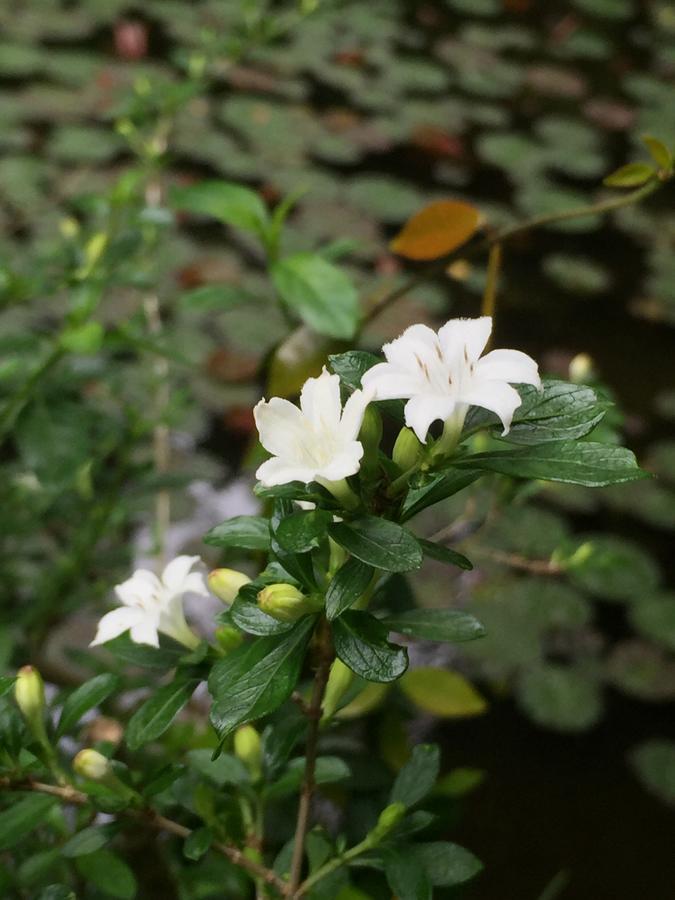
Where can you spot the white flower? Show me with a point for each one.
(318, 441)
(442, 375)
(151, 605)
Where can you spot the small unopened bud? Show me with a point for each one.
(339, 680)
(285, 602)
(407, 449)
(228, 637)
(93, 765)
(581, 368)
(248, 748)
(29, 692)
(370, 434)
(225, 584)
(389, 818)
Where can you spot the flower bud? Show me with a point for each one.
(225, 584)
(581, 368)
(407, 449)
(370, 434)
(248, 749)
(285, 603)
(389, 818)
(339, 680)
(228, 637)
(92, 765)
(29, 692)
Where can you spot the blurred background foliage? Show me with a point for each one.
(361, 113)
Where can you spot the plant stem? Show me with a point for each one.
(489, 303)
(325, 654)
(152, 819)
(24, 394)
(366, 844)
(499, 237)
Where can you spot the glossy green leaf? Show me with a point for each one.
(445, 554)
(297, 565)
(109, 873)
(197, 843)
(435, 489)
(232, 204)
(22, 817)
(435, 624)
(303, 531)
(361, 643)
(348, 585)
(248, 616)
(152, 719)
(584, 462)
(329, 770)
(86, 697)
(352, 366)
(257, 677)
(319, 293)
(406, 875)
(379, 543)
(418, 776)
(243, 532)
(446, 864)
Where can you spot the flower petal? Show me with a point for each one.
(352, 414)
(279, 471)
(320, 401)
(145, 632)
(116, 622)
(497, 396)
(458, 334)
(415, 351)
(281, 426)
(195, 584)
(176, 573)
(388, 382)
(422, 410)
(508, 365)
(139, 589)
(346, 462)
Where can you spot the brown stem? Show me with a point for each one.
(516, 561)
(489, 303)
(313, 712)
(151, 819)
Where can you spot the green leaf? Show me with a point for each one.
(406, 874)
(572, 462)
(226, 769)
(418, 776)
(432, 491)
(90, 694)
(445, 554)
(303, 531)
(442, 693)
(250, 618)
(329, 770)
(89, 840)
(57, 892)
(296, 490)
(256, 678)
(654, 764)
(230, 203)
(659, 152)
(153, 718)
(215, 297)
(655, 618)
(197, 843)
(297, 565)
(143, 655)
(361, 643)
(6, 684)
(22, 817)
(348, 585)
(352, 366)
(559, 412)
(243, 532)
(631, 175)
(560, 697)
(279, 740)
(109, 873)
(435, 624)
(319, 293)
(447, 864)
(608, 567)
(379, 543)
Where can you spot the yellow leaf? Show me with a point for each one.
(442, 693)
(436, 230)
(367, 700)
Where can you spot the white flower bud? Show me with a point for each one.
(225, 584)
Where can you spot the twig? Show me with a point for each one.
(152, 819)
(489, 303)
(516, 561)
(337, 862)
(313, 713)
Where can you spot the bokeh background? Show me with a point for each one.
(371, 110)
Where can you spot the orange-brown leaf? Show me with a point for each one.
(436, 230)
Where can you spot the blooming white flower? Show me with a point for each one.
(151, 605)
(442, 375)
(316, 442)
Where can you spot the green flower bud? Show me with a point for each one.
(407, 449)
(29, 692)
(370, 434)
(389, 818)
(285, 602)
(228, 637)
(248, 748)
(93, 765)
(339, 680)
(225, 584)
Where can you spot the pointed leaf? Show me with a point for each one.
(348, 585)
(22, 817)
(659, 152)
(379, 543)
(153, 718)
(232, 204)
(445, 554)
(361, 643)
(85, 697)
(442, 693)
(436, 230)
(631, 175)
(434, 490)
(243, 532)
(303, 531)
(418, 776)
(436, 624)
